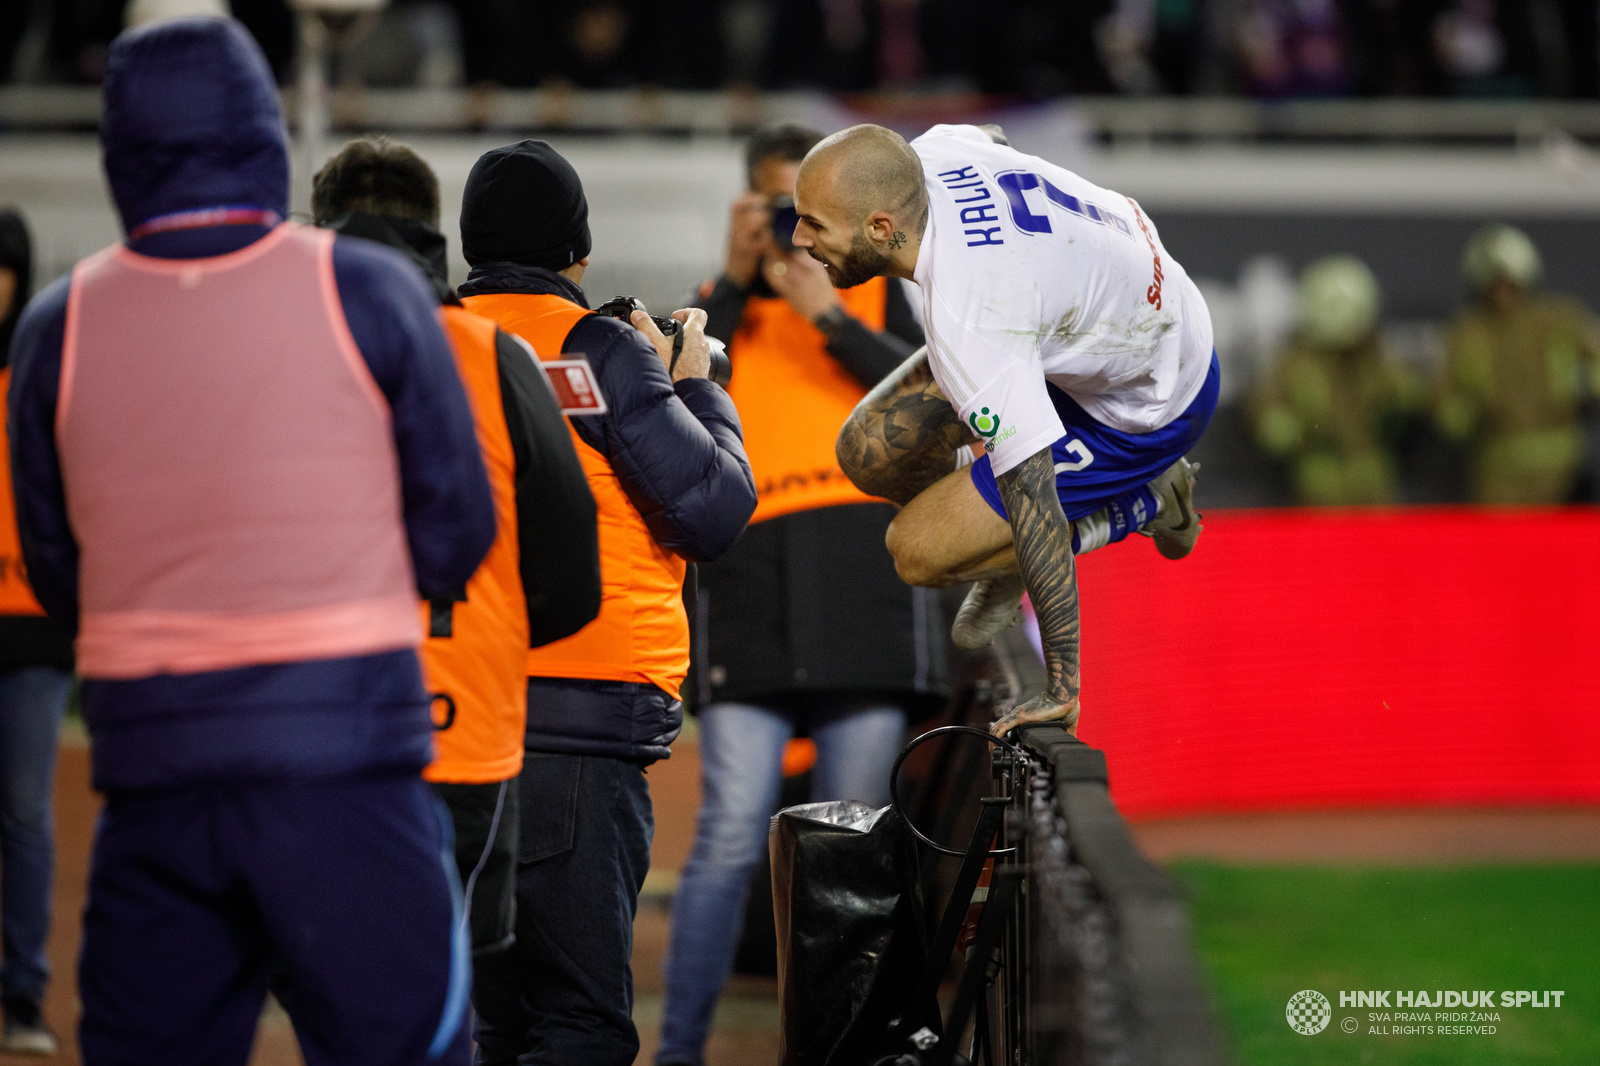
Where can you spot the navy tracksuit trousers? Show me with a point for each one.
(340, 896)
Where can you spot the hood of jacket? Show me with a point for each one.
(420, 243)
(192, 120)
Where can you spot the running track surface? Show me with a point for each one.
(747, 1032)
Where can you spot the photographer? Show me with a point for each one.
(671, 484)
(541, 579)
(804, 627)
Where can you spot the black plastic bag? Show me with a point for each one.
(848, 909)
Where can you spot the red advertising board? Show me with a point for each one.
(1304, 659)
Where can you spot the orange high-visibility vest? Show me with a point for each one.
(473, 656)
(792, 398)
(641, 633)
(16, 596)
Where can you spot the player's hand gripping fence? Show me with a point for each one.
(1078, 948)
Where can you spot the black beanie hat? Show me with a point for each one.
(524, 204)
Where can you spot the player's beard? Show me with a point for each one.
(861, 263)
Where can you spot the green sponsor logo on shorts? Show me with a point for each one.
(983, 423)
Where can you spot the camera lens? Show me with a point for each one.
(784, 220)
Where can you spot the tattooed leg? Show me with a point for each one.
(1043, 540)
(903, 435)
(947, 534)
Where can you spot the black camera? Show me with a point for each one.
(784, 220)
(623, 307)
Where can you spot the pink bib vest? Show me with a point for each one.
(229, 466)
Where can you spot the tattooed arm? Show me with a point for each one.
(1043, 539)
(902, 436)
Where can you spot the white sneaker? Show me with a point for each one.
(1176, 526)
(991, 607)
(19, 1039)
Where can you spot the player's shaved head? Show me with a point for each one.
(865, 169)
(860, 197)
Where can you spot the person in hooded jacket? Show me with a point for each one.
(672, 485)
(541, 580)
(240, 452)
(35, 684)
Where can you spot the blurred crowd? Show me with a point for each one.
(1034, 48)
(1513, 397)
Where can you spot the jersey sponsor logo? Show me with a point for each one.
(999, 438)
(1152, 295)
(1017, 183)
(982, 207)
(987, 426)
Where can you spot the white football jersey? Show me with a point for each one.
(1030, 274)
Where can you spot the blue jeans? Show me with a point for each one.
(741, 775)
(562, 994)
(32, 703)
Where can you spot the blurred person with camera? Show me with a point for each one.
(1520, 367)
(35, 685)
(803, 628)
(240, 451)
(541, 579)
(1337, 401)
(672, 485)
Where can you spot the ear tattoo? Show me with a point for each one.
(897, 241)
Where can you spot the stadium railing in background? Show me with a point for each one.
(1109, 119)
(1078, 950)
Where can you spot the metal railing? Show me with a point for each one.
(1078, 950)
(730, 112)
(1102, 946)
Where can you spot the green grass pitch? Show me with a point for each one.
(1265, 933)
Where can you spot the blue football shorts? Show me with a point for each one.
(1098, 467)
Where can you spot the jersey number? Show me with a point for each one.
(1018, 182)
(1081, 457)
